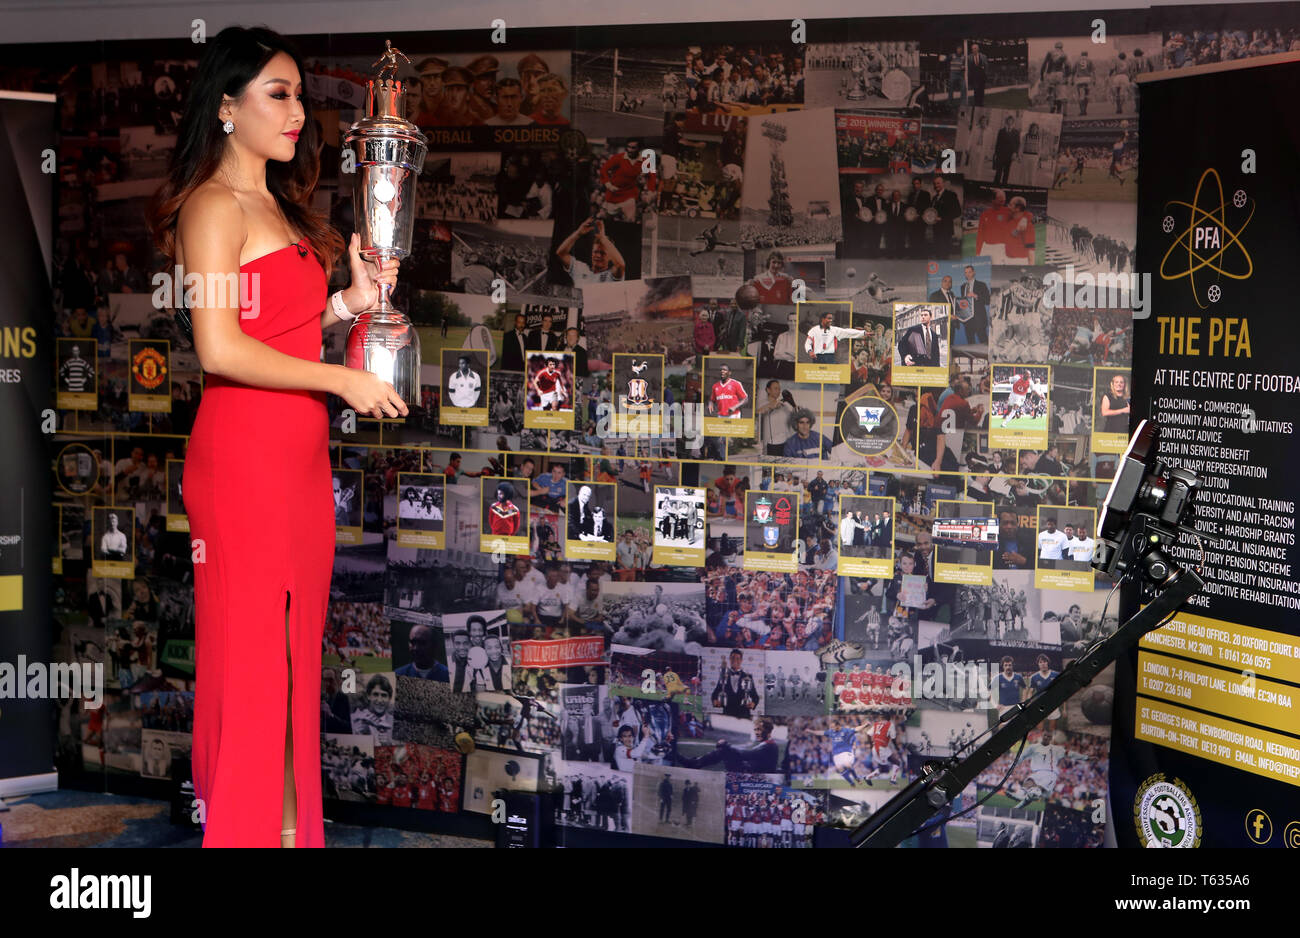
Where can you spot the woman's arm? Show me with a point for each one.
(211, 226)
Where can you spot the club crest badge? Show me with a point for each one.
(762, 511)
(771, 535)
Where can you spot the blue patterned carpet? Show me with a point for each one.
(87, 819)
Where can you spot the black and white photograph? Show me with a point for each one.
(679, 515)
(585, 723)
(1008, 146)
(1078, 77)
(795, 200)
(513, 251)
(1020, 314)
(794, 684)
(77, 374)
(420, 508)
(668, 617)
(590, 513)
(593, 796)
(113, 535)
(458, 187)
(684, 804)
(974, 71)
(864, 74)
(464, 382)
(347, 497)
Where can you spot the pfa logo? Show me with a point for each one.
(1207, 245)
(1166, 814)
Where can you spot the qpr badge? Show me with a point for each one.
(762, 511)
(771, 535)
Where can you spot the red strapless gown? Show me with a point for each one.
(257, 488)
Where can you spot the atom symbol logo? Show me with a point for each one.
(1239, 198)
(1167, 226)
(1214, 293)
(1208, 230)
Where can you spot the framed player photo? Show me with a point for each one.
(421, 497)
(728, 392)
(149, 387)
(638, 389)
(771, 531)
(112, 539)
(464, 387)
(1111, 393)
(505, 515)
(679, 515)
(589, 522)
(822, 355)
(1063, 553)
(964, 535)
(1018, 413)
(78, 378)
(177, 518)
(866, 537)
(921, 349)
(348, 499)
(549, 392)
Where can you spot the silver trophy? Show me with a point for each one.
(389, 154)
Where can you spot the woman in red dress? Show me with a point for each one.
(257, 479)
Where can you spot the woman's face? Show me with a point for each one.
(1117, 385)
(270, 107)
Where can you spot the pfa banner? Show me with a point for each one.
(26, 515)
(1206, 739)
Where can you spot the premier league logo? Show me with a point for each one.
(771, 535)
(869, 417)
(762, 511)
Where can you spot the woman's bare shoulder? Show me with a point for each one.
(212, 213)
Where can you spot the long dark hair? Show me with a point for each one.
(234, 57)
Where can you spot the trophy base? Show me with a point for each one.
(384, 342)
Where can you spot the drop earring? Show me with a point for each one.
(228, 126)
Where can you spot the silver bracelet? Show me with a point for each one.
(340, 308)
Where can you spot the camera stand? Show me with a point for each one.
(1165, 585)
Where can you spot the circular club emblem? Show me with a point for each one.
(149, 368)
(1166, 814)
(869, 426)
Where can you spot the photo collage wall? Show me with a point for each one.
(758, 453)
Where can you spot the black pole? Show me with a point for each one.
(940, 783)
